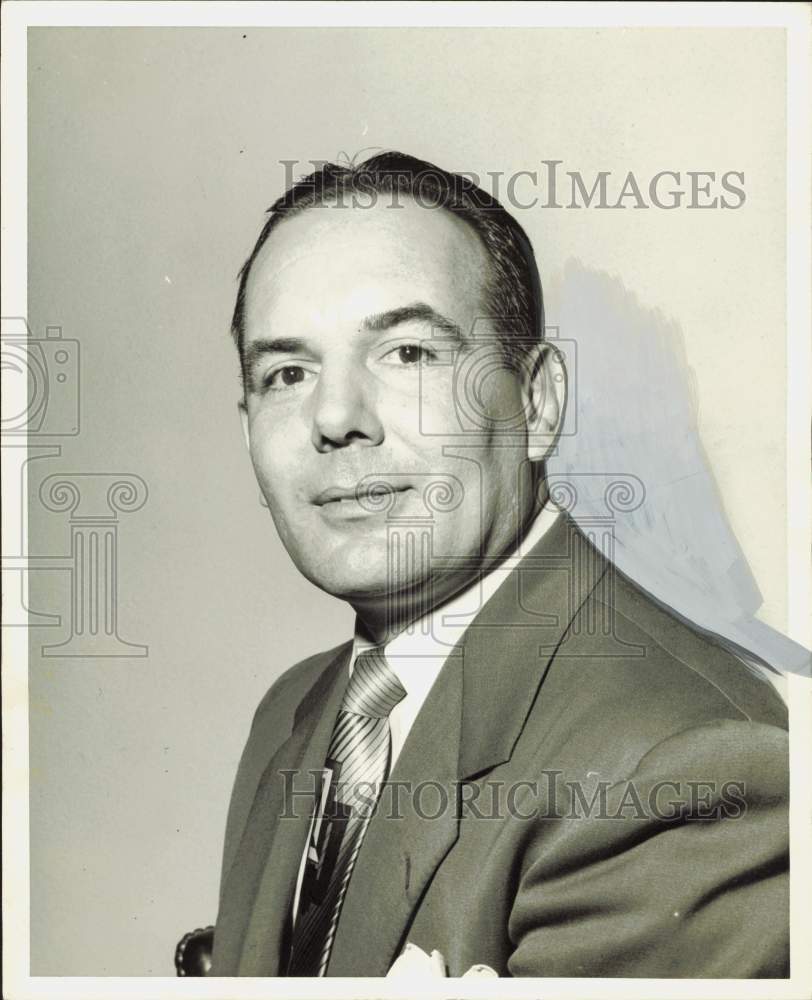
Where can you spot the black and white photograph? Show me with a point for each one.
(406, 500)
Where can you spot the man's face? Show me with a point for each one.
(356, 321)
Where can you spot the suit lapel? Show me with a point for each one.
(267, 861)
(469, 723)
(509, 646)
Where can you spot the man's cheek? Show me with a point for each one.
(271, 453)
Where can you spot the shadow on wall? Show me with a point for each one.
(632, 429)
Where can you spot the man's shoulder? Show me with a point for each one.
(286, 693)
(632, 682)
(623, 651)
(700, 664)
(272, 725)
(630, 674)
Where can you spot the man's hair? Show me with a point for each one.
(513, 296)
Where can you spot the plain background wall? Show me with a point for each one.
(152, 156)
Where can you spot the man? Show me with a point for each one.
(521, 759)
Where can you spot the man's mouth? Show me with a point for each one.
(373, 496)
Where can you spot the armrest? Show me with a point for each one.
(193, 953)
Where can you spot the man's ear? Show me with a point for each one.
(244, 421)
(545, 396)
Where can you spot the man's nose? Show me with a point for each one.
(344, 411)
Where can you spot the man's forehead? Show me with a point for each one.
(348, 245)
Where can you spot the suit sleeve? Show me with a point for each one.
(679, 870)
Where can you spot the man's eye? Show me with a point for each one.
(285, 378)
(411, 354)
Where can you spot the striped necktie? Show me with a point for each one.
(358, 765)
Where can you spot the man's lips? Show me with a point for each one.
(373, 493)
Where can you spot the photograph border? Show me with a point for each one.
(16, 18)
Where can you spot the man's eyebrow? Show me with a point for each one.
(257, 349)
(417, 312)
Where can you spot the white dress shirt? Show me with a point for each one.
(417, 653)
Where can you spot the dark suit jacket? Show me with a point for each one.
(607, 796)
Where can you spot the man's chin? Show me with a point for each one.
(350, 588)
(351, 572)
(369, 571)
